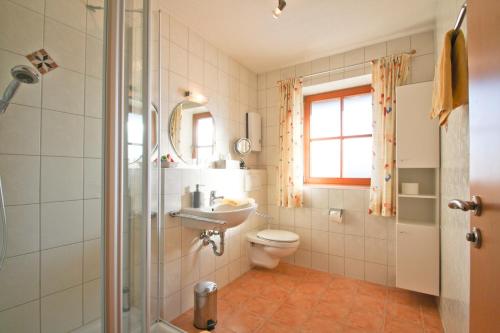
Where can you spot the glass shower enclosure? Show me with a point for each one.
(77, 167)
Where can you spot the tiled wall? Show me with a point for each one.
(455, 256)
(363, 247)
(189, 62)
(50, 158)
(185, 260)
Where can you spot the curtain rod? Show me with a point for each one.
(342, 69)
(461, 17)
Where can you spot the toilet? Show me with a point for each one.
(267, 247)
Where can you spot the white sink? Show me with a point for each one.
(221, 216)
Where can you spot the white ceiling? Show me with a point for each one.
(307, 29)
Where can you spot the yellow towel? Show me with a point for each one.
(451, 82)
(237, 202)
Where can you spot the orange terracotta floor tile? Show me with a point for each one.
(292, 299)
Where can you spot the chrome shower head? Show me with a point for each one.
(25, 74)
(20, 74)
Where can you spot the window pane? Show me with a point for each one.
(325, 118)
(357, 162)
(205, 131)
(325, 159)
(357, 116)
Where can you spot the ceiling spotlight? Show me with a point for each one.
(277, 11)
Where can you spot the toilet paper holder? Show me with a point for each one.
(335, 210)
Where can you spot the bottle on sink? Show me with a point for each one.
(197, 197)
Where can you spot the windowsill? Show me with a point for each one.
(338, 186)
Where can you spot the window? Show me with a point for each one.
(338, 137)
(203, 136)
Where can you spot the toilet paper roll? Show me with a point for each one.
(335, 215)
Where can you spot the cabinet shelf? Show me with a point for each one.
(416, 222)
(418, 196)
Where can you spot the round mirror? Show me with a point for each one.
(192, 132)
(243, 146)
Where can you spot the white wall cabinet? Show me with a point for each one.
(417, 136)
(417, 219)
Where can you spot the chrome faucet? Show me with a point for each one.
(213, 198)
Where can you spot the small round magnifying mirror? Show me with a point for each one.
(243, 147)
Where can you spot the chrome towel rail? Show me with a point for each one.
(197, 218)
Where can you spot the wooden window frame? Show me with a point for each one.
(308, 100)
(196, 118)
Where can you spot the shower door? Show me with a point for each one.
(127, 169)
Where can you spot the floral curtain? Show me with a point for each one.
(290, 170)
(387, 74)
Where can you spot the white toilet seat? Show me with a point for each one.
(274, 238)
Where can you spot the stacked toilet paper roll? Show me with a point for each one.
(335, 215)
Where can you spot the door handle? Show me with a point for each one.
(475, 205)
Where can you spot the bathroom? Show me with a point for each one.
(150, 147)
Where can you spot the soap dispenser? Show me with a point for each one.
(197, 197)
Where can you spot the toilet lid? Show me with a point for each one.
(278, 235)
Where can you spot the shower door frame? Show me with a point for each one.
(114, 165)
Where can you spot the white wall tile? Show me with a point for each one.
(354, 223)
(91, 301)
(422, 68)
(376, 226)
(354, 247)
(22, 29)
(171, 307)
(320, 65)
(319, 261)
(91, 266)
(303, 258)
(93, 97)
(354, 57)
(212, 56)
(63, 91)
(178, 33)
(61, 268)
(320, 240)
(302, 217)
(423, 43)
(23, 229)
(354, 269)
(95, 20)
(62, 179)
(93, 178)
(36, 5)
(336, 199)
(287, 216)
(354, 200)
(319, 219)
(172, 243)
(92, 219)
(319, 198)
(398, 45)
(376, 250)
(19, 280)
(190, 270)
(93, 56)
(20, 179)
(375, 51)
(93, 137)
(196, 44)
(172, 276)
(62, 134)
(195, 69)
(61, 223)
(21, 319)
(336, 244)
(65, 44)
(20, 130)
(337, 265)
(69, 12)
(376, 273)
(62, 312)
